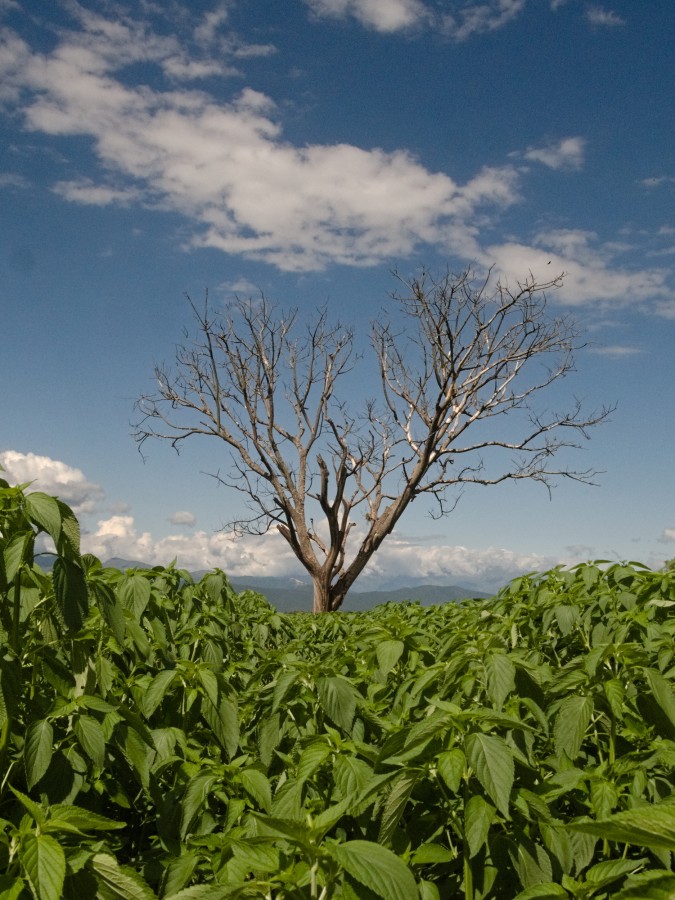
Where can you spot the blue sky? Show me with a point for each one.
(307, 149)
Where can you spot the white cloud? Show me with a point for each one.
(616, 351)
(227, 168)
(117, 537)
(489, 568)
(478, 18)
(659, 181)
(566, 154)
(598, 15)
(668, 535)
(52, 477)
(591, 270)
(383, 15)
(183, 517)
(268, 555)
(85, 191)
(12, 180)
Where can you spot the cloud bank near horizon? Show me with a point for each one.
(108, 533)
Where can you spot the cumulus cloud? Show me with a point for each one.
(491, 567)
(52, 477)
(183, 517)
(246, 190)
(228, 169)
(567, 153)
(668, 535)
(486, 569)
(118, 536)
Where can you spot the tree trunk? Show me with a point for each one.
(327, 598)
(321, 597)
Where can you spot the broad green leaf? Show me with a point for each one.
(648, 826)
(286, 829)
(70, 590)
(136, 752)
(177, 874)
(269, 735)
(451, 766)
(11, 888)
(547, 891)
(654, 885)
(501, 678)
(44, 512)
(34, 809)
(197, 791)
(604, 873)
(429, 891)
(44, 863)
(338, 700)
(329, 818)
(223, 721)
(478, 816)
(571, 723)
(209, 892)
(37, 751)
(157, 688)
(119, 882)
(388, 654)
(662, 689)
(492, 761)
(17, 552)
(90, 735)
(111, 608)
(311, 759)
(531, 862)
(429, 854)
(351, 774)
(395, 805)
(83, 819)
(257, 785)
(209, 682)
(377, 868)
(69, 543)
(134, 592)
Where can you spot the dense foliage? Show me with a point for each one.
(165, 738)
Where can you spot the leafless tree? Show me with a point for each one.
(458, 356)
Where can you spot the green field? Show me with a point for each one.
(166, 738)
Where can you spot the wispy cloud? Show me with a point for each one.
(12, 180)
(658, 181)
(607, 18)
(183, 517)
(567, 153)
(382, 15)
(478, 18)
(85, 191)
(616, 351)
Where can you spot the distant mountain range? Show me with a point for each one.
(290, 594)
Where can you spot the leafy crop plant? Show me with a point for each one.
(165, 738)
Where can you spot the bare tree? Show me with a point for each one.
(460, 355)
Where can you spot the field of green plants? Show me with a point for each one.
(166, 738)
